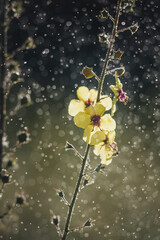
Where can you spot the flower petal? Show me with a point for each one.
(111, 136)
(118, 83)
(82, 120)
(106, 162)
(113, 109)
(107, 123)
(87, 133)
(106, 155)
(90, 110)
(97, 148)
(115, 89)
(83, 93)
(93, 95)
(106, 102)
(75, 106)
(99, 109)
(97, 137)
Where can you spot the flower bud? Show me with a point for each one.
(4, 176)
(14, 77)
(104, 38)
(85, 182)
(88, 223)
(29, 44)
(5, 179)
(99, 168)
(9, 164)
(56, 220)
(20, 200)
(22, 137)
(68, 146)
(24, 100)
(61, 194)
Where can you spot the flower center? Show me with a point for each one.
(105, 140)
(88, 102)
(122, 97)
(96, 120)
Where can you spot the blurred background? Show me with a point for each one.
(125, 200)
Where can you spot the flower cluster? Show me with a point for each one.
(99, 127)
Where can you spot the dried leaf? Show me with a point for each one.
(119, 72)
(104, 13)
(104, 38)
(88, 72)
(117, 54)
(134, 28)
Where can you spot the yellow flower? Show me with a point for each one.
(87, 98)
(119, 94)
(107, 148)
(93, 122)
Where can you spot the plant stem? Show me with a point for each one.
(6, 213)
(2, 76)
(71, 207)
(113, 36)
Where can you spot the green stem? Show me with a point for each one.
(71, 207)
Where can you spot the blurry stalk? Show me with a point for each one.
(103, 74)
(3, 51)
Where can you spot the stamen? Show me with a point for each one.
(96, 120)
(88, 102)
(122, 97)
(105, 140)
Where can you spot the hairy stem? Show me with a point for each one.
(113, 36)
(71, 207)
(7, 212)
(2, 76)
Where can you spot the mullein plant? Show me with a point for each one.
(10, 75)
(94, 113)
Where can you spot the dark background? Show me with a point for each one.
(125, 202)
